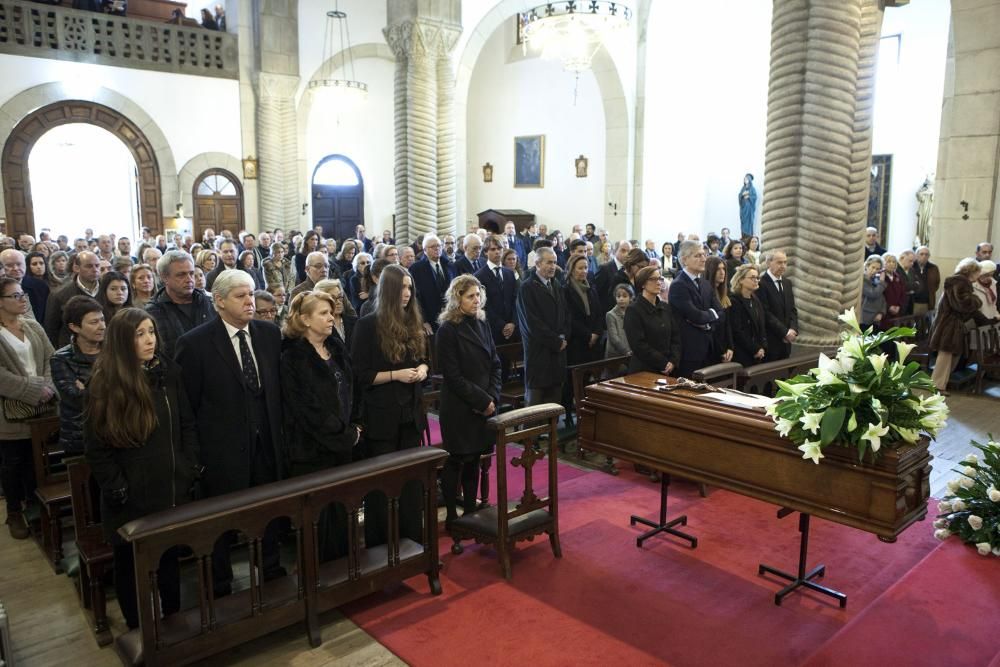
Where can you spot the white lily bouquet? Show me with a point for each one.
(971, 510)
(859, 398)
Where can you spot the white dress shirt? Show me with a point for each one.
(234, 339)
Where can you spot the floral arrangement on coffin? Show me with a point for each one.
(972, 509)
(859, 398)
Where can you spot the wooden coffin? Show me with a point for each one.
(689, 435)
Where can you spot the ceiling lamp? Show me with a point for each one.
(344, 91)
(573, 30)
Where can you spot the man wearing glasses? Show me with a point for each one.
(317, 269)
(36, 290)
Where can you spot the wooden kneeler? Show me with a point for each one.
(506, 522)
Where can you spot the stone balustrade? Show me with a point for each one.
(51, 31)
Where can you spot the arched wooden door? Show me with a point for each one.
(218, 203)
(338, 197)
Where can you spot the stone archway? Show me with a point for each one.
(17, 148)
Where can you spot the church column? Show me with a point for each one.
(819, 152)
(446, 212)
(275, 84)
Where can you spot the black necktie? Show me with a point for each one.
(439, 275)
(499, 277)
(246, 360)
(778, 284)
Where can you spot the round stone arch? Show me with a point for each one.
(618, 120)
(32, 112)
(337, 60)
(198, 165)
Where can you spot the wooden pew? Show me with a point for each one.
(760, 379)
(512, 390)
(96, 555)
(922, 324)
(53, 487)
(212, 626)
(719, 375)
(587, 374)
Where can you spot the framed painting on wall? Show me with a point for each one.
(529, 161)
(878, 196)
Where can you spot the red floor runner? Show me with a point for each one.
(607, 602)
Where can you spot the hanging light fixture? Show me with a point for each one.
(345, 91)
(572, 31)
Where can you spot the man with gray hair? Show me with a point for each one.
(543, 320)
(317, 269)
(697, 311)
(177, 307)
(781, 317)
(431, 277)
(230, 371)
(468, 261)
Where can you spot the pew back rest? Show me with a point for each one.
(85, 497)
(49, 468)
(760, 379)
(595, 371)
(719, 375)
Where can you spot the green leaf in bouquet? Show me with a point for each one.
(829, 427)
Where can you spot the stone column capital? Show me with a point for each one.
(422, 38)
(269, 85)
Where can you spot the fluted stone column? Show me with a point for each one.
(819, 152)
(424, 165)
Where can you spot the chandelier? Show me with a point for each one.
(345, 91)
(572, 31)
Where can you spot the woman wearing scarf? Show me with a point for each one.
(586, 322)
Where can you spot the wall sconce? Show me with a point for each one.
(965, 207)
(487, 173)
(614, 207)
(179, 213)
(304, 207)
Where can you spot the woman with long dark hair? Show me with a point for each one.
(141, 443)
(310, 243)
(389, 354)
(717, 276)
(345, 258)
(319, 413)
(113, 294)
(470, 394)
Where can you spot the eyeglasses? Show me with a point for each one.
(16, 295)
(270, 312)
(318, 266)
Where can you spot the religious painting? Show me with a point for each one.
(581, 167)
(250, 168)
(878, 196)
(487, 173)
(529, 161)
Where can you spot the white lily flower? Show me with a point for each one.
(854, 348)
(825, 377)
(784, 426)
(772, 409)
(874, 435)
(910, 435)
(878, 362)
(852, 422)
(828, 364)
(975, 522)
(811, 450)
(849, 318)
(810, 421)
(797, 389)
(903, 351)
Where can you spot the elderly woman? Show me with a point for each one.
(344, 315)
(958, 310)
(470, 394)
(986, 289)
(320, 418)
(26, 388)
(896, 296)
(872, 293)
(361, 285)
(58, 269)
(278, 270)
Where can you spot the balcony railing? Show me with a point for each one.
(48, 31)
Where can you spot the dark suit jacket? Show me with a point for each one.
(606, 275)
(56, 329)
(467, 359)
(544, 322)
(222, 402)
(583, 325)
(501, 301)
(430, 295)
(214, 273)
(462, 265)
(780, 315)
(652, 336)
(519, 246)
(691, 305)
(749, 329)
(384, 406)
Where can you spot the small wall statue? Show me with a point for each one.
(925, 205)
(748, 206)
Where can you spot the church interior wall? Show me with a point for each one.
(705, 114)
(513, 96)
(908, 107)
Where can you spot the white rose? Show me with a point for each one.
(958, 505)
(971, 458)
(968, 471)
(994, 494)
(996, 551)
(944, 507)
(942, 534)
(941, 523)
(967, 482)
(984, 548)
(953, 485)
(975, 522)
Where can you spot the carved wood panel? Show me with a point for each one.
(14, 162)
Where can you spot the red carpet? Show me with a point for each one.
(607, 602)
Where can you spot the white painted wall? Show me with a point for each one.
(196, 114)
(907, 120)
(364, 134)
(531, 96)
(706, 114)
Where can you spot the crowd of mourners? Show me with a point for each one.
(185, 369)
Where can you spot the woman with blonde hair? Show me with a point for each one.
(747, 324)
(389, 353)
(207, 260)
(509, 260)
(344, 317)
(468, 361)
(142, 280)
(317, 389)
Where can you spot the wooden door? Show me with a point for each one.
(338, 197)
(218, 203)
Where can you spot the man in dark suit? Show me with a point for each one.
(431, 277)
(468, 261)
(872, 246)
(544, 323)
(501, 294)
(778, 299)
(612, 273)
(230, 372)
(86, 268)
(362, 240)
(517, 243)
(228, 254)
(696, 309)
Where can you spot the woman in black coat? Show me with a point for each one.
(746, 317)
(142, 445)
(317, 392)
(389, 354)
(585, 313)
(468, 361)
(650, 328)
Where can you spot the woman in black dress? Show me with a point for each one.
(310, 243)
(746, 317)
(317, 390)
(141, 442)
(470, 394)
(389, 353)
(650, 328)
